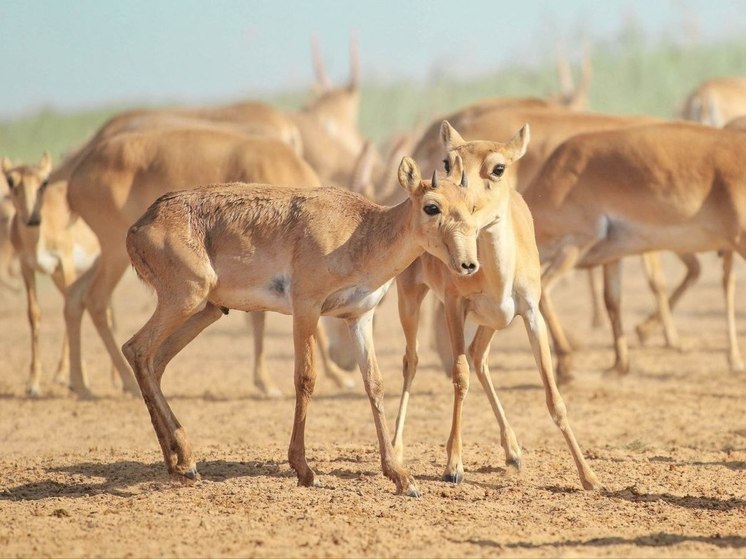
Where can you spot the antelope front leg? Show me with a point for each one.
(34, 317)
(613, 300)
(564, 261)
(409, 296)
(261, 378)
(479, 350)
(304, 329)
(460, 373)
(734, 354)
(361, 332)
(537, 334)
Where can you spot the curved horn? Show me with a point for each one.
(354, 62)
(318, 64)
(464, 180)
(435, 182)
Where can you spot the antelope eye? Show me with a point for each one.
(11, 182)
(431, 209)
(447, 165)
(498, 170)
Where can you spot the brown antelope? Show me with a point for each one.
(549, 128)
(117, 180)
(49, 242)
(273, 248)
(716, 101)
(8, 257)
(507, 285)
(605, 195)
(738, 123)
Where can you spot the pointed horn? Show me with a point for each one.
(464, 180)
(318, 64)
(435, 182)
(567, 84)
(354, 62)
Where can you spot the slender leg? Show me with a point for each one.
(409, 296)
(652, 265)
(594, 286)
(480, 350)
(564, 261)
(440, 339)
(734, 353)
(74, 307)
(454, 471)
(613, 299)
(341, 378)
(537, 334)
(693, 269)
(305, 322)
(34, 318)
(171, 327)
(261, 378)
(361, 332)
(98, 301)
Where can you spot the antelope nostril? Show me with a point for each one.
(470, 267)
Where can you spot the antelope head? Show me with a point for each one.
(27, 184)
(487, 165)
(443, 218)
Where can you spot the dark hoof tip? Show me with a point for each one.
(515, 464)
(456, 477)
(412, 492)
(192, 474)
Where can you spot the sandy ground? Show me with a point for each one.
(85, 478)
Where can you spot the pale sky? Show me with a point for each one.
(71, 54)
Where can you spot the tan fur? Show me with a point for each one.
(8, 256)
(605, 195)
(300, 252)
(507, 285)
(716, 101)
(47, 242)
(114, 184)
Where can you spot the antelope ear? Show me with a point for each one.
(518, 144)
(6, 165)
(409, 174)
(450, 138)
(45, 165)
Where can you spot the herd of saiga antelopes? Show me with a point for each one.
(492, 231)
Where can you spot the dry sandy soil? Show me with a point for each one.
(86, 478)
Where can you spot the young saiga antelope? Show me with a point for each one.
(49, 242)
(507, 284)
(303, 252)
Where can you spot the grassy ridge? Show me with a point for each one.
(629, 76)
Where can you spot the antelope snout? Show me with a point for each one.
(468, 268)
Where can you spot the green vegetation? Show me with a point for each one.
(630, 75)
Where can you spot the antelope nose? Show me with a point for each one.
(469, 267)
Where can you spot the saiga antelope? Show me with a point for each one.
(507, 285)
(605, 195)
(49, 242)
(716, 101)
(302, 252)
(117, 180)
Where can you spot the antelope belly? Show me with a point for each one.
(353, 301)
(491, 312)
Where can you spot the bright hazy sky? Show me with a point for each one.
(80, 53)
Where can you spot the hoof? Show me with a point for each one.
(309, 481)
(643, 333)
(270, 393)
(412, 491)
(33, 391)
(736, 367)
(455, 477)
(616, 372)
(192, 474)
(514, 463)
(83, 393)
(592, 484)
